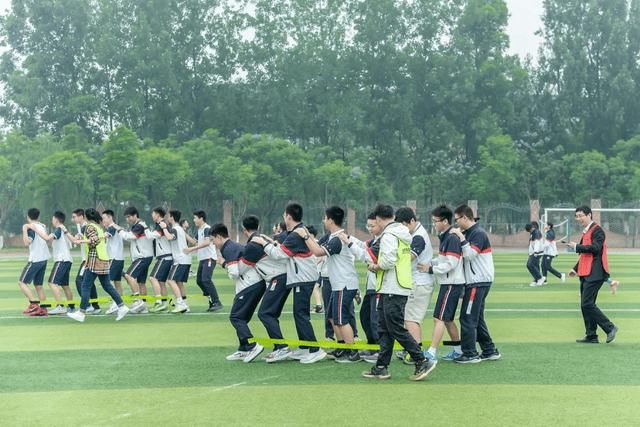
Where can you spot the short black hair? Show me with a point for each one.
(282, 225)
(534, 224)
(335, 213)
(109, 212)
(93, 215)
(295, 211)
(550, 224)
(160, 211)
(528, 227)
(405, 214)
(175, 214)
(200, 214)
(372, 215)
(384, 211)
(464, 210)
(312, 230)
(219, 229)
(182, 221)
(79, 212)
(60, 216)
(131, 210)
(33, 213)
(586, 210)
(250, 222)
(443, 212)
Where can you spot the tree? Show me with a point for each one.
(497, 170)
(162, 172)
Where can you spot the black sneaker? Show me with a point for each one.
(215, 306)
(466, 359)
(349, 357)
(377, 372)
(423, 369)
(338, 352)
(491, 356)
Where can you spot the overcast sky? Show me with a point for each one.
(523, 22)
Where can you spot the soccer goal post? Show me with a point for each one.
(622, 226)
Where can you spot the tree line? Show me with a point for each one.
(330, 101)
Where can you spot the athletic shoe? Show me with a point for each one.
(450, 356)
(71, 310)
(215, 306)
(358, 298)
(238, 355)
(423, 369)
(542, 281)
(337, 352)
(90, 310)
(610, 336)
(158, 307)
(408, 360)
(349, 357)
(586, 340)
(377, 372)
(402, 354)
(139, 307)
(329, 338)
(299, 354)
(614, 287)
(180, 308)
(96, 311)
(277, 355)
(430, 356)
(563, 277)
(253, 353)
(31, 308)
(491, 356)
(373, 358)
(191, 273)
(113, 309)
(59, 309)
(78, 315)
(314, 357)
(534, 283)
(188, 310)
(465, 359)
(356, 338)
(122, 311)
(318, 310)
(39, 312)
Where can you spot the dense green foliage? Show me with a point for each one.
(329, 101)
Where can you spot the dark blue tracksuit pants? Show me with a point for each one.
(204, 281)
(472, 325)
(326, 297)
(271, 307)
(369, 316)
(302, 313)
(244, 305)
(533, 264)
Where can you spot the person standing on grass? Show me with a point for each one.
(164, 260)
(449, 275)
(179, 274)
(535, 253)
(302, 274)
(62, 259)
(592, 269)
(97, 266)
(479, 274)
(550, 251)
(343, 278)
(37, 264)
(207, 257)
(141, 257)
(393, 284)
(422, 287)
(81, 222)
(115, 250)
(249, 287)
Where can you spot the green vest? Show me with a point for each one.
(101, 247)
(403, 267)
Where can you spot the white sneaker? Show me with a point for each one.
(277, 355)
(534, 283)
(238, 355)
(542, 281)
(90, 310)
(181, 308)
(299, 354)
(255, 352)
(78, 315)
(563, 277)
(138, 306)
(113, 309)
(122, 311)
(314, 357)
(59, 309)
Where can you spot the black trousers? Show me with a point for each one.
(546, 266)
(79, 279)
(271, 307)
(391, 328)
(369, 317)
(591, 314)
(204, 281)
(533, 264)
(244, 305)
(472, 325)
(302, 314)
(326, 297)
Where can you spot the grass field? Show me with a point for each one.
(171, 369)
